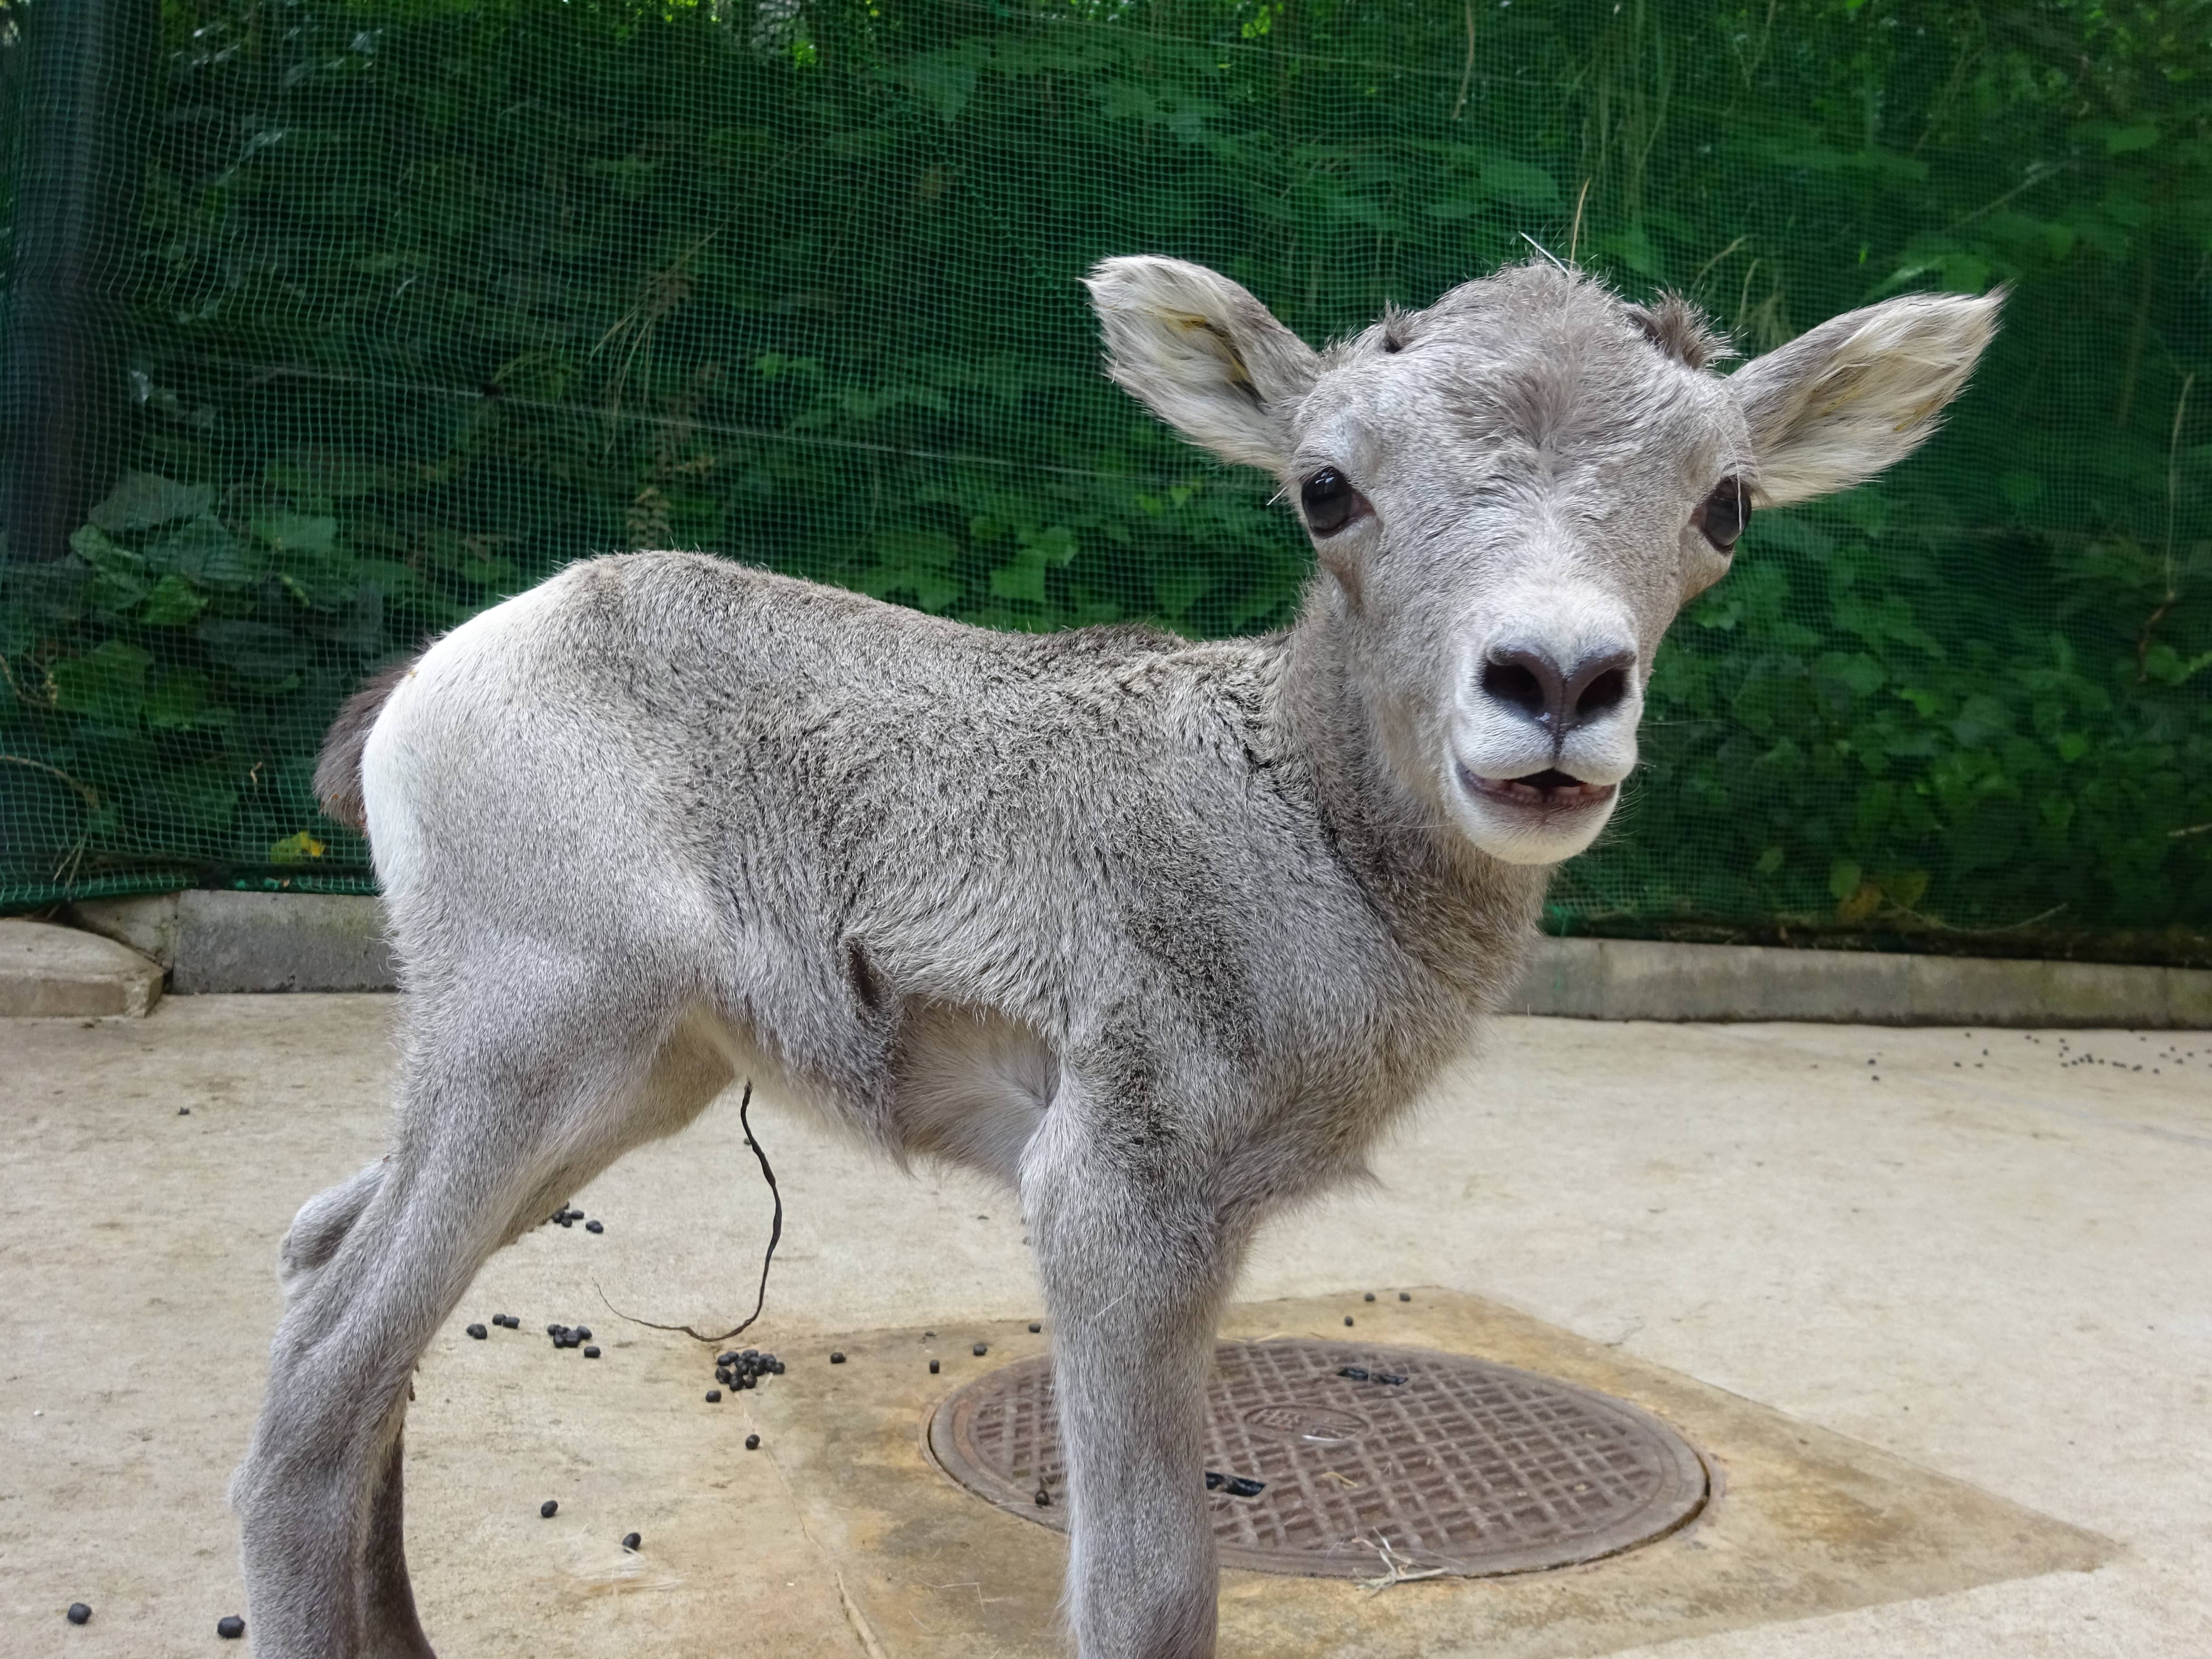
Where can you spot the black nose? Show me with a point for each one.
(1528, 678)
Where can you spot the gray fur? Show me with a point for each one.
(1162, 933)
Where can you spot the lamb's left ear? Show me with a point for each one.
(1203, 354)
(1843, 400)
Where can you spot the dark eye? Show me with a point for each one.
(1722, 515)
(1330, 501)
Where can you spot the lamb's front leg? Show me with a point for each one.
(1135, 1267)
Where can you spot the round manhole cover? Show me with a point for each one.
(1367, 1457)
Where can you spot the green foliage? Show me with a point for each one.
(433, 295)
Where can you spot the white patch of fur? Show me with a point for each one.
(388, 780)
(972, 1088)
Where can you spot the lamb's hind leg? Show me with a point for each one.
(390, 1627)
(488, 1124)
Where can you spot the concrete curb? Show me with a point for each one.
(233, 941)
(1638, 979)
(59, 973)
(229, 941)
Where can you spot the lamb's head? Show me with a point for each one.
(1512, 493)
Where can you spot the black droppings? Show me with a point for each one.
(736, 1369)
(630, 1541)
(1035, 1327)
(1370, 1295)
(981, 1349)
(837, 1357)
(547, 1508)
(555, 1330)
(1405, 1296)
(230, 1627)
(594, 1227)
(78, 1613)
(592, 1352)
(478, 1332)
(1347, 1319)
(752, 1442)
(1361, 1374)
(581, 1332)
(932, 1368)
(1043, 1499)
(713, 1396)
(184, 1111)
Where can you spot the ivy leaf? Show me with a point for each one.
(1518, 182)
(103, 555)
(203, 550)
(2167, 666)
(179, 702)
(267, 659)
(143, 500)
(1023, 579)
(299, 532)
(946, 79)
(203, 796)
(1843, 878)
(107, 685)
(173, 600)
(916, 562)
(1177, 588)
(114, 592)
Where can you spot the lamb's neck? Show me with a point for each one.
(1468, 916)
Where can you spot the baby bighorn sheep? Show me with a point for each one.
(1161, 933)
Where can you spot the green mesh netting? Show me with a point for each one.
(327, 324)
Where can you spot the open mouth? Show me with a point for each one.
(1549, 790)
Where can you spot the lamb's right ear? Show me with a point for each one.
(1204, 356)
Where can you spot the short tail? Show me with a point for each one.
(338, 769)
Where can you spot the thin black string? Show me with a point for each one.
(775, 1237)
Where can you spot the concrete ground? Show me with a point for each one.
(1985, 1254)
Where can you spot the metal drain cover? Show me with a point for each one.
(1470, 1468)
